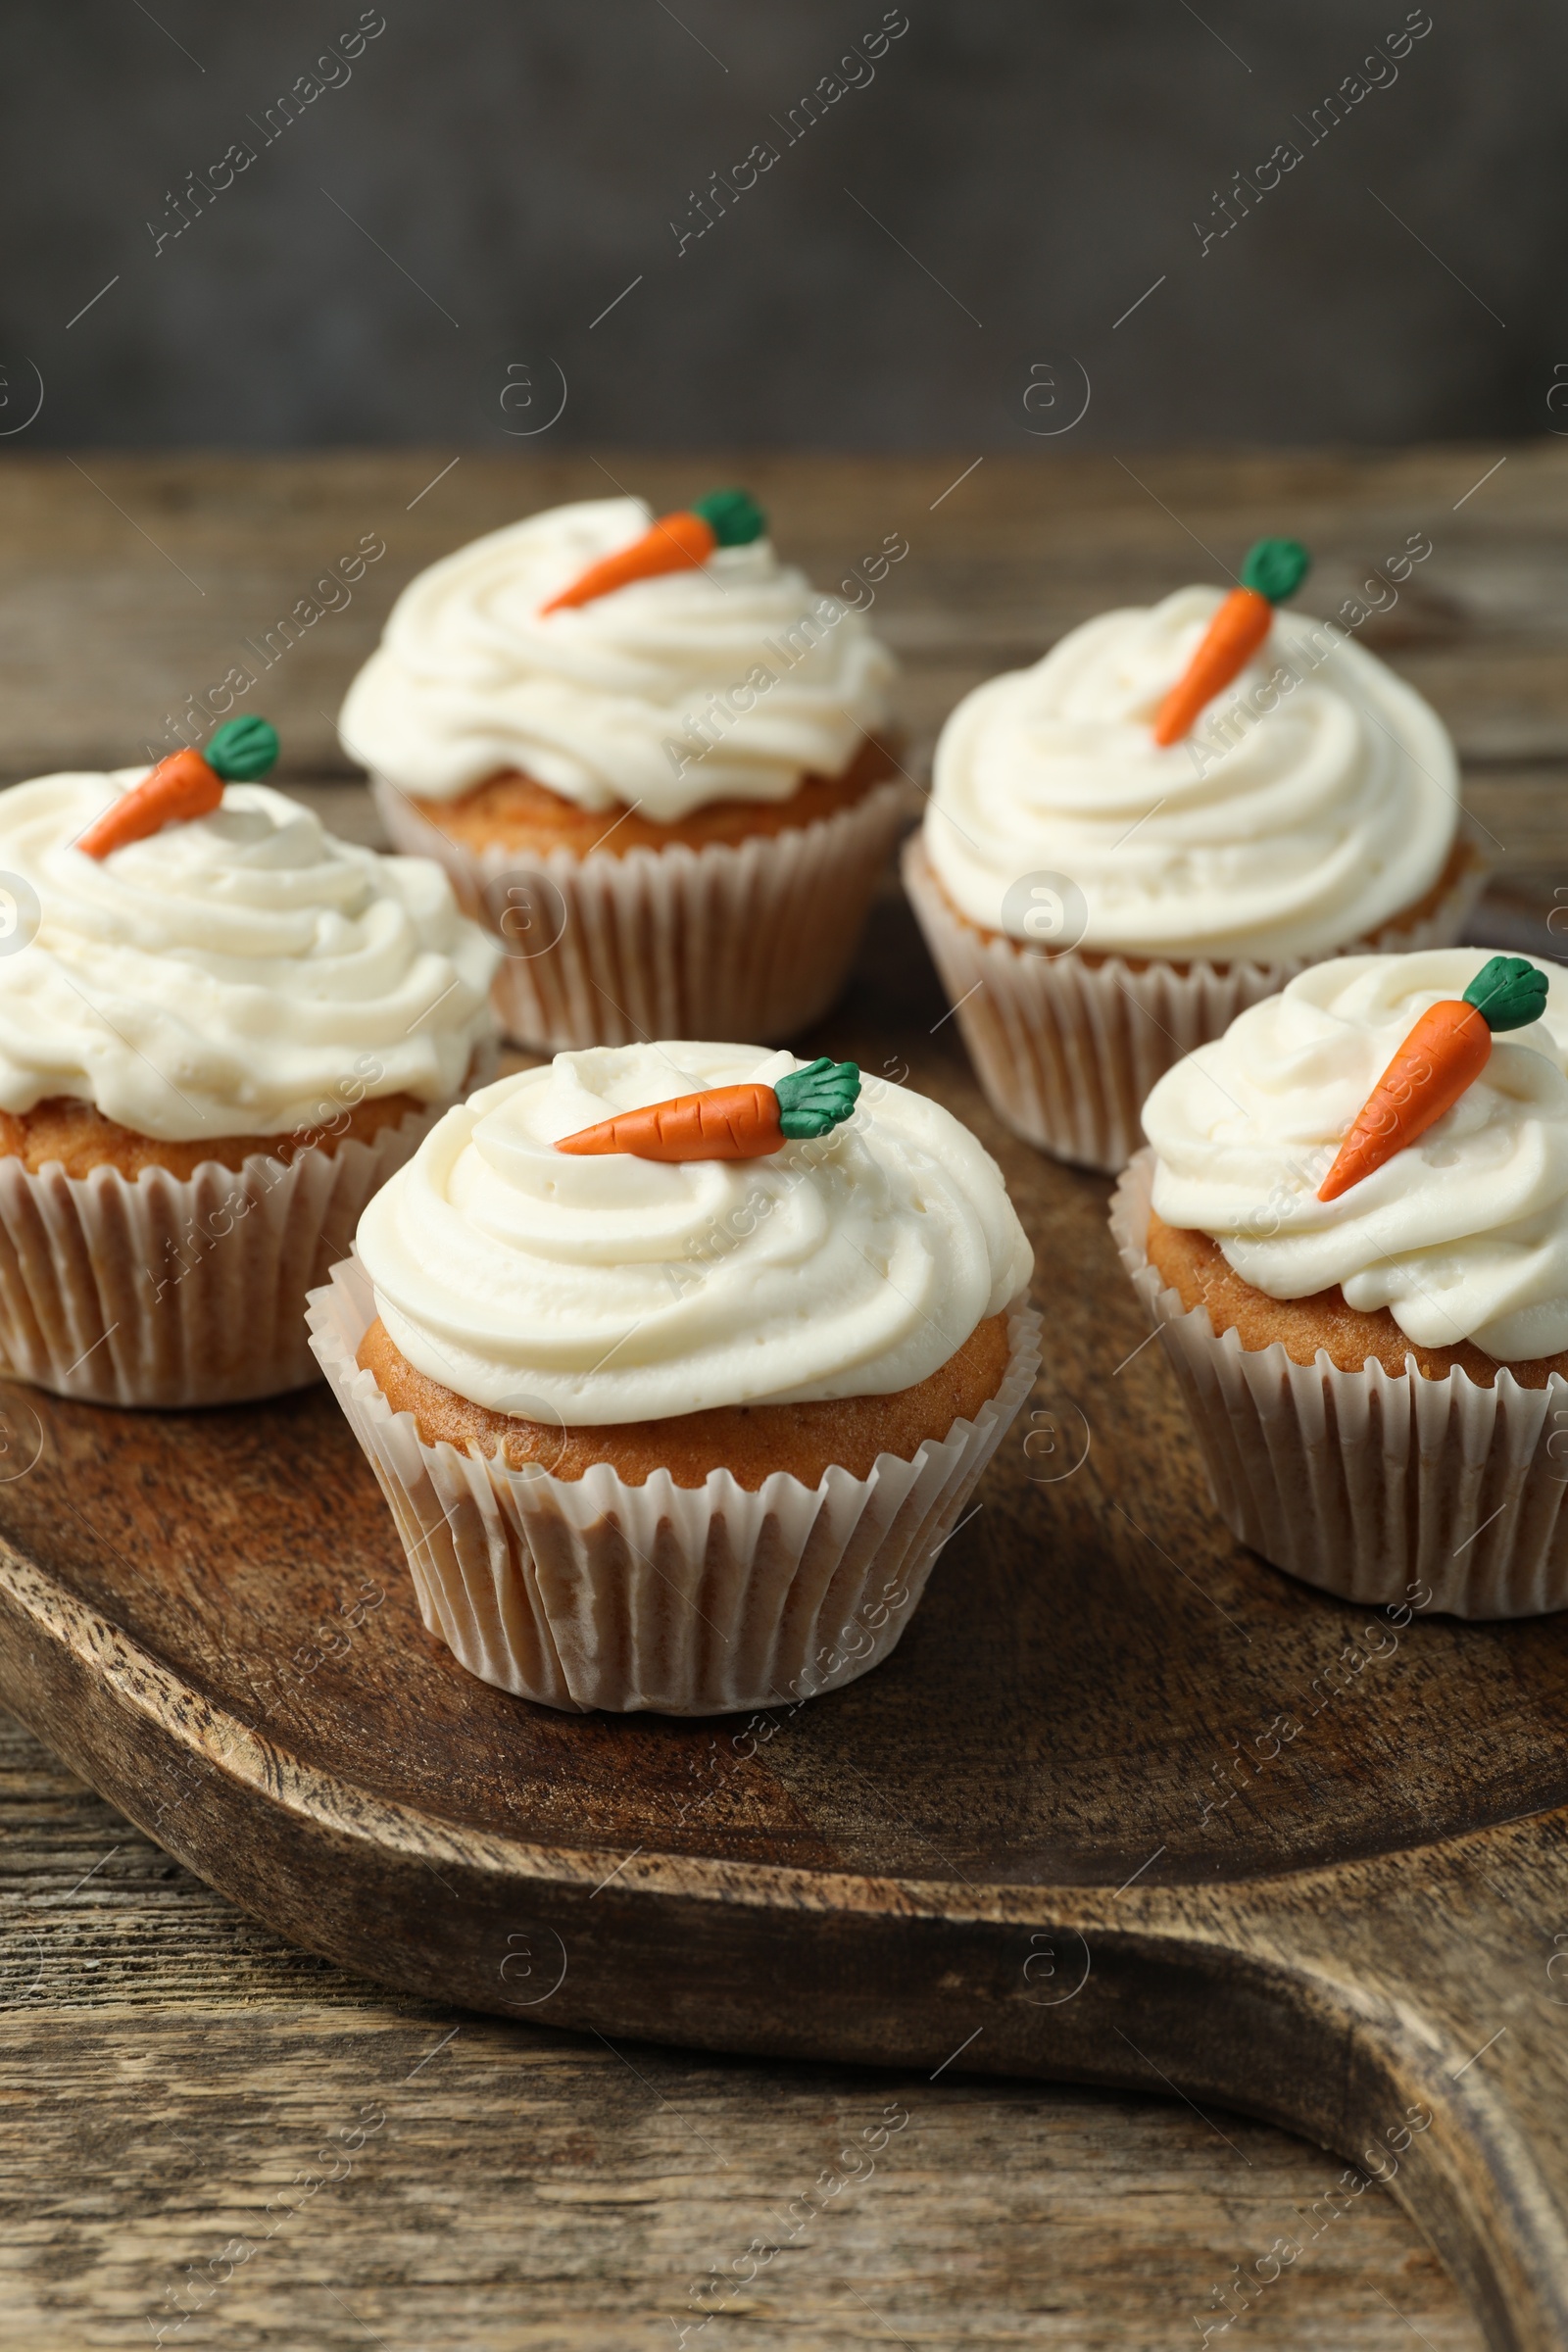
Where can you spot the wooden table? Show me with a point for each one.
(518, 2186)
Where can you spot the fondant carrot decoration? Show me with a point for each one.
(678, 542)
(1273, 570)
(186, 785)
(730, 1122)
(1445, 1052)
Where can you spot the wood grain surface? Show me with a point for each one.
(1055, 1750)
(131, 584)
(169, 2067)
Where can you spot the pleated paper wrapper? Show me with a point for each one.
(1067, 1049)
(589, 1592)
(1368, 1484)
(170, 1290)
(753, 942)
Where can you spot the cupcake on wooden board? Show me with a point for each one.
(220, 1030)
(1352, 1227)
(677, 1366)
(650, 754)
(1161, 822)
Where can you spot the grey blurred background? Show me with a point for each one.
(481, 217)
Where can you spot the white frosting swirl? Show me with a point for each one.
(606, 701)
(1461, 1236)
(614, 1289)
(225, 977)
(1334, 805)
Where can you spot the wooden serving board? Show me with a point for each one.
(1061, 1831)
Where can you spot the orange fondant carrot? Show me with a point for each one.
(729, 1122)
(178, 788)
(184, 786)
(1273, 570)
(678, 542)
(1445, 1052)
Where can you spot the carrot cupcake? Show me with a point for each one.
(674, 1406)
(648, 754)
(1161, 822)
(1352, 1228)
(220, 1030)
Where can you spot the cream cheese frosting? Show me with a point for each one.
(731, 682)
(227, 976)
(1317, 795)
(1461, 1236)
(603, 1290)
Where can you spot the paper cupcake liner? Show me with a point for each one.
(754, 941)
(1368, 1484)
(589, 1592)
(1067, 1050)
(171, 1290)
